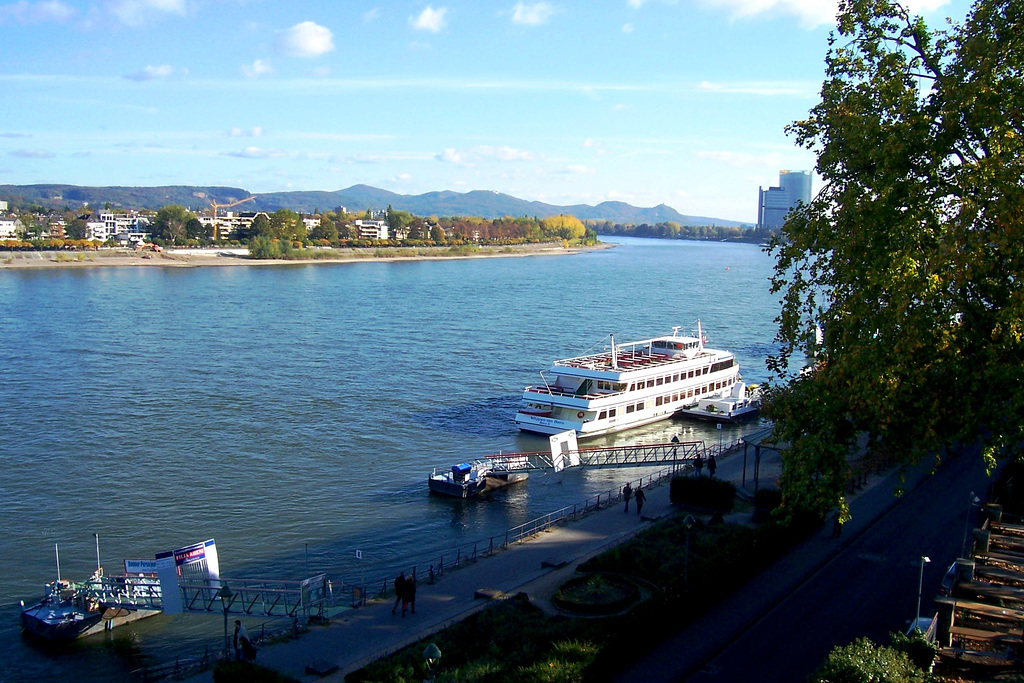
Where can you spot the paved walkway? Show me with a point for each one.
(537, 567)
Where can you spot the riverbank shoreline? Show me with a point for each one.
(192, 258)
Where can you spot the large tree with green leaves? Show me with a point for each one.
(911, 256)
(171, 222)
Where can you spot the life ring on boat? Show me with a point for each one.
(580, 414)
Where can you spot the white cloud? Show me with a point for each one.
(484, 153)
(580, 169)
(32, 154)
(155, 73)
(136, 12)
(253, 132)
(769, 88)
(255, 153)
(24, 12)
(627, 28)
(307, 39)
(371, 15)
(429, 19)
(532, 15)
(257, 69)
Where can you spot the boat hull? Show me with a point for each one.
(71, 623)
(467, 489)
(737, 415)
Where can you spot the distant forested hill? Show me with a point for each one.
(357, 198)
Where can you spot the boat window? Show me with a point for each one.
(611, 412)
(657, 401)
(707, 368)
(650, 383)
(675, 377)
(603, 415)
(629, 409)
(675, 397)
(659, 382)
(640, 405)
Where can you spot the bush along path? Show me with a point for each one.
(685, 563)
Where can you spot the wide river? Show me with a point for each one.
(294, 412)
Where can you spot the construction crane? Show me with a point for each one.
(213, 212)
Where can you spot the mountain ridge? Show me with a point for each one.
(357, 198)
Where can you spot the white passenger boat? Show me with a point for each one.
(628, 385)
(741, 403)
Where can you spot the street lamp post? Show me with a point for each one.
(432, 654)
(920, 587)
(688, 523)
(225, 594)
(971, 502)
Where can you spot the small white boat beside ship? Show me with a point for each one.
(742, 402)
(629, 385)
(466, 480)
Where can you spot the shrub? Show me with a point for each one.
(245, 672)
(922, 652)
(767, 499)
(705, 492)
(864, 662)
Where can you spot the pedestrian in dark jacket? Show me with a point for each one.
(399, 591)
(641, 498)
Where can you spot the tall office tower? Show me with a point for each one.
(775, 203)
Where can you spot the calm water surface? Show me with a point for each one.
(294, 412)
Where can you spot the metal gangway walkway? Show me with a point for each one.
(675, 453)
(264, 597)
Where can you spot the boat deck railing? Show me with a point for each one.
(131, 592)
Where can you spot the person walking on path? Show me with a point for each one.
(698, 464)
(627, 492)
(641, 498)
(244, 649)
(399, 591)
(712, 466)
(410, 594)
(837, 523)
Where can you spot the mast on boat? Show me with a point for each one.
(615, 354)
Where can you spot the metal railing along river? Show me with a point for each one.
(435, 565)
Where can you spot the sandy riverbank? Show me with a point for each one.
(191, 258)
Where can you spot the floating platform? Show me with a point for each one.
(466, 480)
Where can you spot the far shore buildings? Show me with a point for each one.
(775, 203)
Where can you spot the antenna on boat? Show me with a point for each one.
(56, 551)
(700, 336)
(615, 354)
(98, 567)
(675, 330)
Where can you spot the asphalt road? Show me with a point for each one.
(869, 588)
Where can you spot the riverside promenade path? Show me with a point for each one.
(357, 637)
(537, 566)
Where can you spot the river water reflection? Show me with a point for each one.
(293, 413)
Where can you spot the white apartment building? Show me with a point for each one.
(10, 227)
(371, 230)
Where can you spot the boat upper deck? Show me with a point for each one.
(628, 361)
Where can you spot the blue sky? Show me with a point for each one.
(681, 102)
